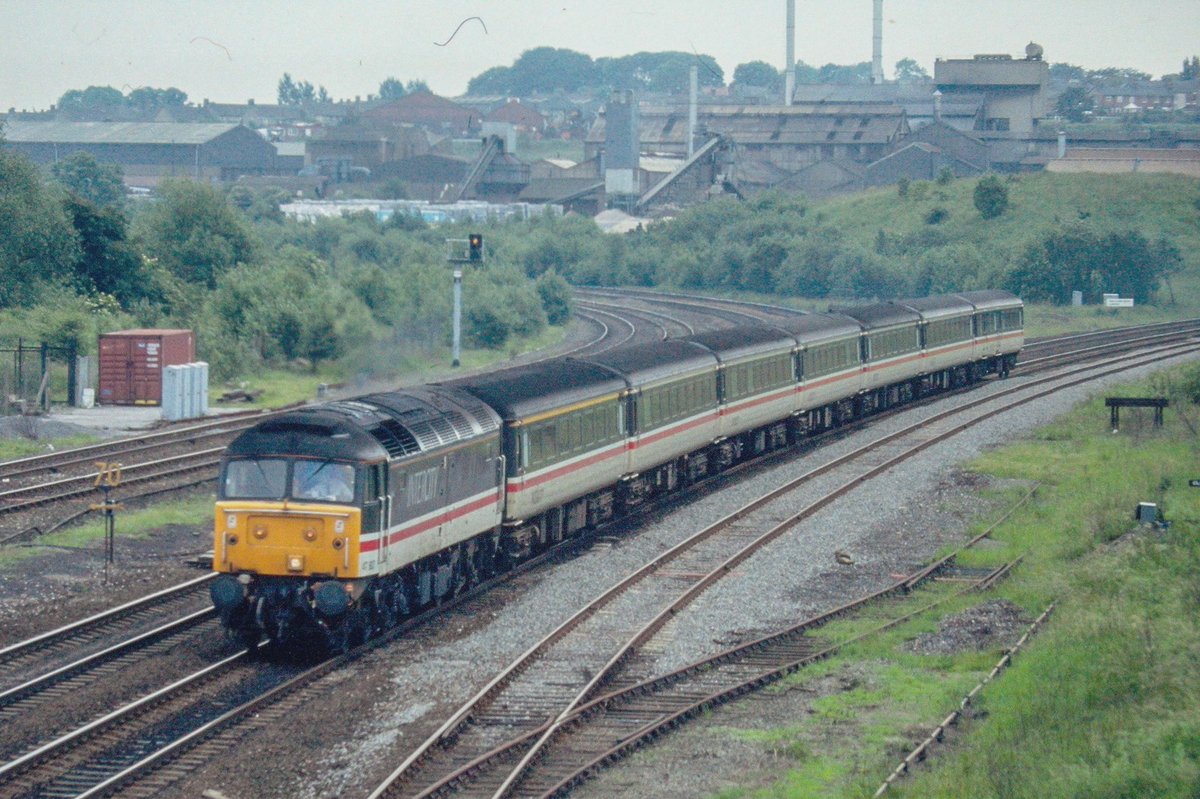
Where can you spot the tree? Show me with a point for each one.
(148, 99)
(991, 197)
(289, 92)
(391, 89)
(909, 71)
(759, 74)
(38, 244)
(1127, 264)
(102, 184)
(286, 91)
(93, 99)
(545, 69)
(417, 85)
(668, 71)
(806, 74)
(491, 81)
(1067, 72)
(555, 294)
(194, 232)
(1075, 104)
(1117, 75)
(845, 73)
(1191, 68)
(108, 263)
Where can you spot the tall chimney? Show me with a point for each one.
(789, 68)
(695, 90)
(877, 46)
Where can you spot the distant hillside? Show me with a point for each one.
(1156, 205)
(1138, 235)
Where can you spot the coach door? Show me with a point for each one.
(377, 506)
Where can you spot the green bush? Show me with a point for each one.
(991, 197)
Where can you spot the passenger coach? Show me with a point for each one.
(335, 520)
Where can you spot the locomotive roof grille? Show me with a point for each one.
(442, 428)
(461, 424)
(395, 438)
(482, 414)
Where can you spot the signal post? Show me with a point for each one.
(458, 256)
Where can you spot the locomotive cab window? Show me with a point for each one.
(324, 481)
(260, 478)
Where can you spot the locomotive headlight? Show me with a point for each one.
(310, 534)
(260, 531)
(295, 563)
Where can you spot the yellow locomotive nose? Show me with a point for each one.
(270, 540)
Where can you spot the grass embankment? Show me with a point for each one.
(1105, 701)
(281, 387)
(139, 523)
(11, 448)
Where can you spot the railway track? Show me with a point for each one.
(668, 325)
(735, 311)
(145, 745)
(52, 650)
(680, 574)
(515, 719)
(41, 506)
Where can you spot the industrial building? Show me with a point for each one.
(149, 151)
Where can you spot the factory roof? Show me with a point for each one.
(116, 132)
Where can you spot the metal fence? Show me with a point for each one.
(32, 376)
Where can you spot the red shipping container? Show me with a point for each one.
(132, 361)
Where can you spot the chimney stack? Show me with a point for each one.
(877, 46)
(789, 69)
(692, 100)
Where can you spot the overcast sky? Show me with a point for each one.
(232, 51)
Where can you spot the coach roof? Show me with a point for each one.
(540, 387)
(733, 343)
(656, 360)
(939, 307)
(991, 299)
(814, 328)
(874, 317)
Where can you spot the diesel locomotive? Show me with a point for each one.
(335, 520)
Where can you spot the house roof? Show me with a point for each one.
(513, 111)
(816, 123)
(115, 132)
(257, 111)
(423, 108)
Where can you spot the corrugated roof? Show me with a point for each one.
(116, 132)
